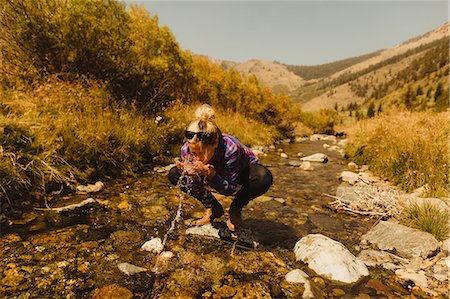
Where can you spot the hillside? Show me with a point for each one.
(382, 77)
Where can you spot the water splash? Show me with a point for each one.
(185, 181)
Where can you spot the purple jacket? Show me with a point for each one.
(230, 159)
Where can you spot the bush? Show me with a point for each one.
(321, 122)
(411, 150)
(59, 134)
(427, 217)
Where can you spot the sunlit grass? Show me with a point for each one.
(427, 217)
(409, 149)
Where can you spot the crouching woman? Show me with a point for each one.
(221, 162)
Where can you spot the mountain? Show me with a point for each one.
(388, 77)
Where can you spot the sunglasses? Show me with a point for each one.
(200, 135)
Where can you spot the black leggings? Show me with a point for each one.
(255, 181)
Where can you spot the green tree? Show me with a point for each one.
(371, 110)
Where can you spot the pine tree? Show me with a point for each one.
(371, 110)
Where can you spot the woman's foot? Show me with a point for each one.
(235, 220)
(206, 218)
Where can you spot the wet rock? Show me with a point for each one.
(298, 276)
(319, 157)
(317, 137)
(91, 188)
(284, 155)
(12, 277)
(161, 262)
(154, 245)
(254, 290)
(295, 163)
(405, 241)
(123, 239)
(349, 177)
(124, 205)
(130, 269)
(292, 290)
(306, 166)
(154, 211)
(338, 292)
(206, 230)
(112, 291)
(329, 258)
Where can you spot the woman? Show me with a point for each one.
(222, 162)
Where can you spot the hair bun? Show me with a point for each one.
(205, 112)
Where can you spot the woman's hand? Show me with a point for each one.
(204, 169)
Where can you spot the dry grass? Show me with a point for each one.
(427, 217)
(59, 133)
(409, 149)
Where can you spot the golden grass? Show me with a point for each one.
(427, 217)
(59, 133)
(409, 149)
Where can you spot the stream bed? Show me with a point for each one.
(47, 254)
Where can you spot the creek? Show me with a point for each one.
(76, 255)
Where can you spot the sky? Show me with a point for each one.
(295, 32)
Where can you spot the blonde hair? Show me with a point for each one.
(204, 115)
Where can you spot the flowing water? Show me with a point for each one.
(46, 254)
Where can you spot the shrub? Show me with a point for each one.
(411, 150)
(427, 217)
(321, 122)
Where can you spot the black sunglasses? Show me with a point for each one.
(200, 135)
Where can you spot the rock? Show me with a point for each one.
(154, 245)
(419, 279)
(74, 206)
(280, 200)
(130, 269)
(298, 276)
(272, 147)
(326, 146)
(91, 188)
(112, 291)
(261, 199)
(205, 230)
(349, 177)
(306, 166)
(329, 258)
(124, 205)
(12, 277)
(284, 155)
(161, 262)
(352, 166)
(319, 157)
(405, 241)
(415, 263)
(375, 258)
(295, 163)
(342, 143)
(317, 137)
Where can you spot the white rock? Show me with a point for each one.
(325, 145)
(349, 177)
(130, 269)
(298, 276)
(91, 188)
(419, 279)
(154, 245)
(280, 200)
(306, 166)
(329, 258)
(205, 230)
(319, 157)
(342, 143)
(295, 163)
(272, 147)
(404, 241)
(284, 155)
(375, 258)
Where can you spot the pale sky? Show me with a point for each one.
(295, 32)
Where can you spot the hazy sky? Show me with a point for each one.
(295, 32)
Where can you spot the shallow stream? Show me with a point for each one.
(76, 255)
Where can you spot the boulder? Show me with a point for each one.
(349, 177)
(404, 241)
(319, 157)
(306, 166)
(329, 258)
